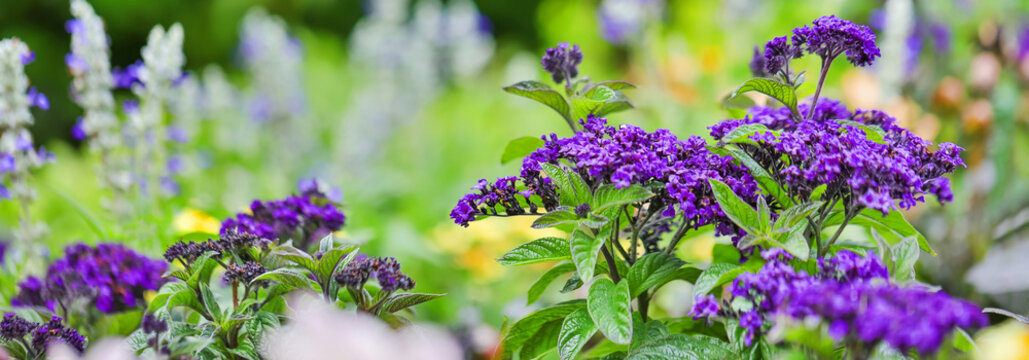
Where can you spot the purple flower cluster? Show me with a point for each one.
(15, 328)
(153, 325)
(126, 78)
(304, 218)
(851, 294)
(624, 156)
(231, 242)
(110, 276)
(562, 62)
(828, 38)
(244, 273)
(830, 149)
(385, 270)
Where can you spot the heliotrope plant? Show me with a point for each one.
(782, 182)
(207, 316)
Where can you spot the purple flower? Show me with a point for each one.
(304, 218)
(831, 36)
(386, 271)
(28, 58)
(244, 273)
(758, 64)
(3, 251)
(779, 52)
(562, 62)
(127, 77)
(6, 163)
(178, 134)
(74, 26)
(52, 332)
(78, 131)
(37, 99)
(130, 106)
(111, 276)
(829, 150)
(852, 295)
(13, 327)
(76, 64)
(704, 306)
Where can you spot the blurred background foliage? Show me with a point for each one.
(404, 117)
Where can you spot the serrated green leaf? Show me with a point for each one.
(401, 301)
(568, 183)
(537, 251)
(607, 196)
(650, 269)
(543, 94)
(524, 329)
(681, 347)
(556, 217)
(576, 329)
(609, 306)
(584, 248)
(735, 208)
(537, 288)
(717, 274)
(520, 147)
(783, 93)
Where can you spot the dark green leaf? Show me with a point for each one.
(520, 147)
(537, 251)
(401, 301)
(543, 94)
(650, 269)
(681, 347)
(774, 89)
(548, 277)
(735, 208)
(576, 329)
(331, 260)
(646, 331)
(573, 283)
(289, 277)
(542, 341)
(609, 306)
(528, 326)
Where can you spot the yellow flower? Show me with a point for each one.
(193, 220)
(1009, 340)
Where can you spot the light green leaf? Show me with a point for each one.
(735, 208)
(543, 94)
(548, 277)
(289, 277)
(894, 223)
(905, 255)
(401, 301)
(795, 242)
(646, 331)
(681, 347)
(542, 341)
(295, 256)
(537, 251)
(717, 274)
(608, 196)
(576, 329)
(964, 342)
(774, 89)
(817, 193)
(520, 147)
(872, 132)
(524, 329)
(650, 269)
(608, 304)
(584, 248)
(615, 84)
(742, 133)
(559, 216)
(794, 214)
(331, 260)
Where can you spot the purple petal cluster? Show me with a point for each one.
(15, 328)
(304, 218)
(504, 193)
(126, 78)
(110, 276)
(830, 149)
(779, 52)
(562, 62)
(623, 156)
(831, 36)
(386, 271)
(244, 273)
(851, 294)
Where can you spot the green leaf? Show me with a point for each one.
(764, 214)
(524, 329)
(650, 269)
(795, 242)
(576, 329)
(905, 255)
(609, 306)
(737, 106)
(295, 256)
(520, 147)
(542, 341)
(537, 288)
(559, 216)
(543, 94)
(646, 331)
(291, 278)
(817, 193)
(331, 260)
(615, 84)
(894, 222)
(717, 274)
(735, 208)
(794, 214)
(200, 270)
(774, 89)
(872, 132)
(573, 283)
(573, 189)
(742, 133)
(774, 190)
(599, 101)
(681, 347)
(210, 303)
(584, 249)
(537, 251)
(964, 342)
(402, 301)
(608, 196)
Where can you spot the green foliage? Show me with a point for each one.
(537, 251)
(519, 148)
(785, 94)
(608, 305)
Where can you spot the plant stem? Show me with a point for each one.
(832, 240)
(818, 90)
(678, 236)
(235, 295)
(611, 266)
(643, 301)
